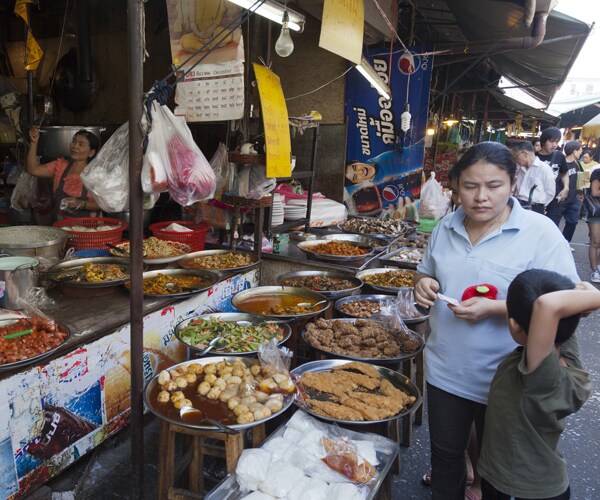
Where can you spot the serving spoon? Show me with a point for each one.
(222, 427)
(308, 305)
(210, 346)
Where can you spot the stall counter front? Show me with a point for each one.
(54, 412)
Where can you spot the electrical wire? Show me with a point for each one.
(322, 86)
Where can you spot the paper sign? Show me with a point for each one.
(275, 122)
(342, 28)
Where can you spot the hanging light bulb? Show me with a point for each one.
(405, 118)
(284, 45)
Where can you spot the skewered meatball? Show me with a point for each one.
(220, 383)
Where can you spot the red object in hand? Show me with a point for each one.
(485, 290)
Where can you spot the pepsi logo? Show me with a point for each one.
(390, 193)
(409, 63)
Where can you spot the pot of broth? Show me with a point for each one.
(279, 302)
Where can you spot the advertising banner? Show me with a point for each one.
(384, 164)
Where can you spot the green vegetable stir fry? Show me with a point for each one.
(236, 337)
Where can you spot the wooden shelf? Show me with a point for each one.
(281, 228)
(256, 159)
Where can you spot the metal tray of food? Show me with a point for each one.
(401, 227)
(386, 451)
(212, 277)
(328, 294)
(305, 246)
(379, 298)
(270, 291)
(154, 407)
(398, 380)
(363, 275)
(188, 261)
(387, 259)
(69, 267)
(386, 361)
(378, 244)
(182, 248)
(37, 357)
(238, 318)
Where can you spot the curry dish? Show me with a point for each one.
(282, 304)
(228, 260)
(165, 284)
(341, 248)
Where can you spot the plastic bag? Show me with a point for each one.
(24, 190)
(275, 362)
(38, 297)
(343, 457)
(107, 175)
(190, 177)
(253, 183)
(391, 316)
(223, 169)
(433, 204)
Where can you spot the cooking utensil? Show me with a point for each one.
(118, 249)
(17, 276)
(34, 241)
(210, 345)
(222, 427)
(238, 318)
(308, 305)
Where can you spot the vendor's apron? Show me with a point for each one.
(59, 194)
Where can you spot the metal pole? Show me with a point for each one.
(135, 30)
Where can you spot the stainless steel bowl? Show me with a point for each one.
(305, 246)
(387, 259)
(232, 318)
(397, 379)
(187, 261)
(72, 265)
(378, 298)
(213, 278)
(386, 289)
(334, 294)
(259, 291)
(377, 243)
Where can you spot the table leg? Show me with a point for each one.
(166, 460)
(407, 420)
(420, 381)
(234, 445)
(196, 470)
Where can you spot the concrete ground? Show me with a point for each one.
(105, 474)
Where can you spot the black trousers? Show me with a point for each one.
(490, 493)
(450, 420)
(535, 207)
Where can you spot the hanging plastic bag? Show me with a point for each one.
(189, 174)
(24, 190)
(107, 175)
(223, 169)
(433, 204)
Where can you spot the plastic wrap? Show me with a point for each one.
(253, 183)
(190, 176)
(275, 362)
(107, 175)
(433, 203)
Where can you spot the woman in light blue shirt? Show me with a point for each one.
(489, 239)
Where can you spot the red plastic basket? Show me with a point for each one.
(84, 240)
(194, 238)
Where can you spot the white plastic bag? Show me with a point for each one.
(223, 169)
(433, 204)
(107, 175)
(190, 177)
(25, 188)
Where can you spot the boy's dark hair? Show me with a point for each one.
(527, 287)
(490, 152)
(534, 140)
(551, 133)
(571, 147)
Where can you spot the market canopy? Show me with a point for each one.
(591, 130)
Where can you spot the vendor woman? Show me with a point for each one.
(71, 198)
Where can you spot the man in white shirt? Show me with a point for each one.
(535, 179)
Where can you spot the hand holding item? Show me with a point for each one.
(72, 203)
(34, 134)
(474, 309)
(426, 291)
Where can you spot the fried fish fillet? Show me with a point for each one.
(363, 368)
(359, 379)
(334, 410)
(331, 383)
(368, 412)
(388, 389)
(394, 405)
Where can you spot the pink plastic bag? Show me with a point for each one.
(190, 177)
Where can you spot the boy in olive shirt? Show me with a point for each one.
(535, 388)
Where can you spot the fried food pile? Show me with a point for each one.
(361, 339)
(394, 279)
(353, 392)
(221, 261)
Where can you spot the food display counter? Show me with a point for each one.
(55, 411)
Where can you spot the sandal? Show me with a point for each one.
(426, 479)
(471, 495)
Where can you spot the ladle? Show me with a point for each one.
(222, 427)
(210, 345)
(308, 305)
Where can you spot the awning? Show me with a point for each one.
(591, 130)
(560, 107)
(541, 70)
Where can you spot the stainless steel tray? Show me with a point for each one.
(409, 321)
(386, 260)
(326, 274)
(378, 244)
(232, 318)
(272, 290)
(407, 227)
(386, 452)
(305, 246)
(210, 275)
(386, 289)
(287, 399)
(71, 265)
(397, 379)
(387, 361)
(33, 359)
(186, 262)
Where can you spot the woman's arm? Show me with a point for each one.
(31, 163)
(548, 310)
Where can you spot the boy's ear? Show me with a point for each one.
(514, 326)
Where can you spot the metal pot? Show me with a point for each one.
(17, 276)
(33, 241)
(126, 214)
(56, 141)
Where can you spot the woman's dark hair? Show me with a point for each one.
(527, 287)
(571, 147)
(551, 133)
(534, 140)
(489, 152)
(92, 140)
